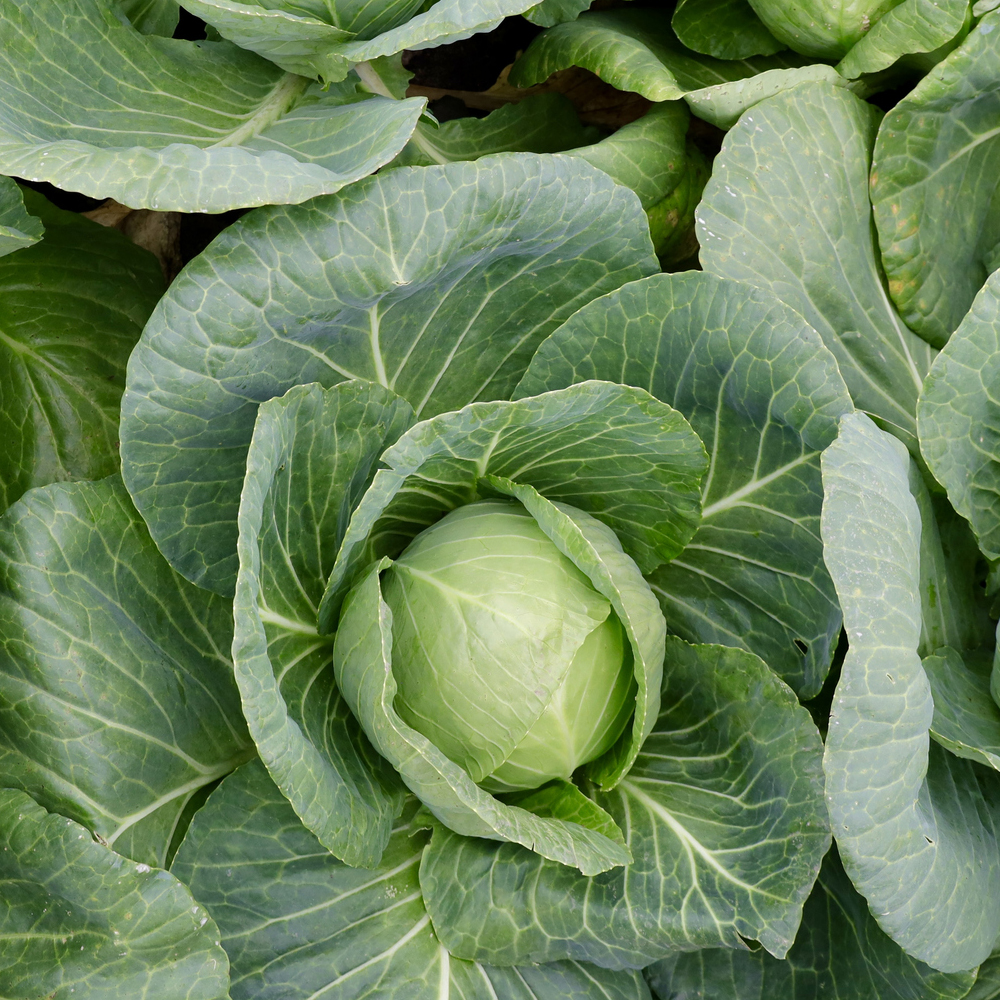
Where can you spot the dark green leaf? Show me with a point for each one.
(726, 29)
(959, 418)
(723, 811)
(936, 186)
(312, 455)
(73, 309)
(436, 282)
(764, 395)
(79, 921)
(297, 923)
(839, 954)
(117, 699)
(787, 210)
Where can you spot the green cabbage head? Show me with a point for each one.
(485, 609)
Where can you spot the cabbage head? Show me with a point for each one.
(486, 608)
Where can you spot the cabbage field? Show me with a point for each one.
(499, 500)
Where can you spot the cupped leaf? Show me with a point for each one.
(911, 27)
(80, 921)
(326, 38)
(117, 699)
(312, 455)
(541, 123)
(73, 309)
(935, 186)
(840, 954)
(436, 282)
(362, 659)
(959, 418)
(297, 923)
(726, 29)
(823, 28)
(633, 50)
(595, 550)
(914, 824)
(787, 210)
(609, 450)
(723, 812)
(175, 125)
(765, 396)
(18, 227)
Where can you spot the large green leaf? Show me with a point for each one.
(723, 812)
(18, 228)
(633, 50)
(764, 395)
(297, 923)
(823, 28)
(839, 954)
(913, 26)
(610, 450)
(936, 186)
(326, 38)
(312, 455)
(73, 309)
(914, 824)
(175, 125)
(726, 29)
(117, 700)
(987, 981)
(787, 210)
(959, 418)
(80, 921)
(436, 282)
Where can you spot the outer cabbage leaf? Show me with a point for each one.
(723, 812)
(436, 282)
(914, 26)
(608, 450)
(726, 29)
(18, 228)
(550, 12)
(914, 824)
(839, 954)
(633, 50)
(326, 38)
(175, 125)
(79, 920)
(73, 309)
(936, 186)
(117, 700)
(764, 395)
(799, 227)
(823, 28)
(312, 455)
(959, 418)
(297, 923)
